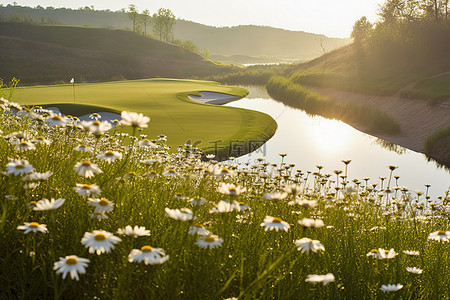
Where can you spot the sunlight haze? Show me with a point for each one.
(329, 17)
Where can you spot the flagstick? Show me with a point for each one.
(73, 85)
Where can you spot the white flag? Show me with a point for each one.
(72, 80)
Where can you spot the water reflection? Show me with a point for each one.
(313, 140)
(390, 146)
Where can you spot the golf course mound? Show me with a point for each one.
(213, 128)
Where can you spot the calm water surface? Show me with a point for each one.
(309, 141)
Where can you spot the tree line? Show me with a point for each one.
(407, 31)
(162, 23)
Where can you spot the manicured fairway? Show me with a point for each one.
(165, 101)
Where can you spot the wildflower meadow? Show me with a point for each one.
(89, 211)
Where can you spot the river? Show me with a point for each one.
(309, 141)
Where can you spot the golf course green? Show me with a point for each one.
(166, 102)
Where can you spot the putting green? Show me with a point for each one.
(166, 102)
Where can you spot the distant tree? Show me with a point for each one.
(361, 30)
(133, 15)
(163, 23)
(145, 19)
(391, 11)
(16, 18)
(207, 53)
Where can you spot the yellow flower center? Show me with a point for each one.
(232, 189)
(27, 110)
(241, 203)
(95, 114)
(40, 138)
(146, 249)
(96, 123)
(71, 261)
(209, 239)
(33, 203)
(86, 186)
(132, 174)
(83, 146)
(276, 220)
(109, 153)
(386, 251)
(374, 251)
(86, 163)
(171, 171)
(103, 202)
(23, 144)
(441, 232)
(20, 166)
(99, 237)
(225, 170)
(198, 225)
(34, 225)
(146, 141)
(154, 172)
(56, 118)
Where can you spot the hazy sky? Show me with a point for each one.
(330, 17)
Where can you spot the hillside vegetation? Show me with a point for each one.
(49, 53)
(254, 41)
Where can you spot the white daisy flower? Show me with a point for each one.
(210, 241)
(226, 206)
(243, 206)
(33, 227)
(275, 195)
(99, 241)
(386, 254)
(134, 119)
(98, 215)
(46, 204)
(197, 201)
(311, 223)
(11, 197)
(219, 172)
(87, 169)
(324, 279)
(83, 148)
(110, 156)
(31, 186)
(19, 167)
(230, 189)
(293, 189)
(440, 236)
(307, 245)
(101, 205)
(373, 253)
(271, 223)
(411, 252)
(96, 127)
(37, 176)
(170, 173)
(303, 202)
(198, 229)
(148, 255)
(134, 231)
(56, 120)
(152, 174)
(87, 189)
(414, 270)
(71, 264)
(391, 287)
(147, 143)
(24, 145)
(185, 214)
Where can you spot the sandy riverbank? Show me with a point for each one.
(417, 118)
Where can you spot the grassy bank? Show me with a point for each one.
(254, 245)
(173, 114)
(290, 93)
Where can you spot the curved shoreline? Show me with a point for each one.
(418, 120)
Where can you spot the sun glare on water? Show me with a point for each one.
(330, 135)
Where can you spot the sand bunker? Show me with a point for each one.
(214, 98)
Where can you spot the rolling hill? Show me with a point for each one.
(248, 40)
(49, 53)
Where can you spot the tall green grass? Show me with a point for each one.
(251, 263)
(296, 95)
